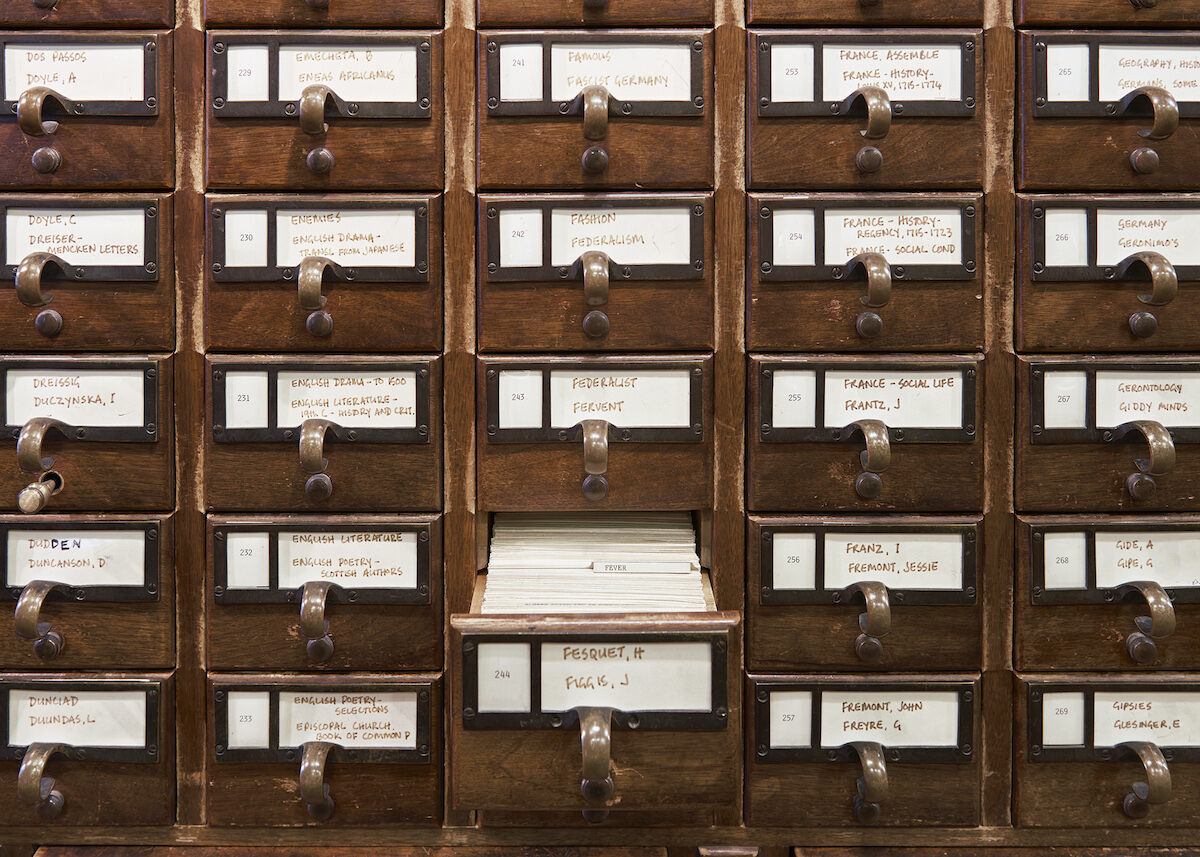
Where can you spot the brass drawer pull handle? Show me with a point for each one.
(47, 643)
(873, 784)
(593, 268)
(312, 458)
(310, 279)
(313, 624)
(30, 272)
(874, 459)
(33, 787)
(1164, 282)
(32, 104)
(1158, 625)
(1141, 484)
(878, 108)
(595, 112)
(875, 622)
(1157, 787)
(595, 458)
(596, 784)
(878, 274)
(314, 791)
(314, 101)
(1166, 110)
(29, 444)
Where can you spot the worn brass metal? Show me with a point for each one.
(48, 322)
(28, 277)
(47, 643)
(596, 784)
(878, 107)
(595, 112)
(46, 159)
(312, 108)
(594, 267)
(319, 486)
(1144, 160)
(873, 784)
(32, 104)
(30, 440)
(320, 161)
(875, 622)
(1164, 282)
(868, 159)
(310, 278)
(1162, 447)
(1143, 324)
(595, 446)
(1159, 624)
(36, 789)
(1166, 110)
(878, 454)
(875, 269)
(36, 495)
(314, 791)
(1157, 787)
(595, 160)
(313, 624)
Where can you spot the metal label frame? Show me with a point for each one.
(819, 595)
(760, 50)
(1038, 433)
(1039, 595)
(418, 755)
(1043, 108)
(496, 273)
(147, 272)
(274, 272)
(1092, 272)
(145, 433)
(276, 108)
(87, 593)
(148, 106)
(1035, 693)
(763, 688)
(549, 107)
(275, 433)
(148, 754)
(713, 720)
(348, 595)
(769, 433)
(693, 433)
(768, 272)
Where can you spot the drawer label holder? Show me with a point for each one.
(75, 235)
(92, 561)
(78, 75)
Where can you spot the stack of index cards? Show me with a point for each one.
(611, 562)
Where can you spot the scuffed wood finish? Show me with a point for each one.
(383, 14)
(146, 317)
(1107, 13)
(98, 634)
(854, 13)
(367, 316)
(109, 14)
(249, 794)
(611, 13)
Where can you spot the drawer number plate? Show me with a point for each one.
(101, 721)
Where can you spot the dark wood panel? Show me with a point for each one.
(390, 14)
(610, 13)
(1109, 13)
(855, 13)
(89, 13)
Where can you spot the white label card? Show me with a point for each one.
(794, 238)
(370, 73)
(1063, 719)
(248, 719)
(1066, 238)
(80, 72)
(1064, 399)
(1167, 557)
(362, 719)
(630, 398)
(791, 718)
(521, 72)
(627, 676)
(903, 236)
(630, 236)
(366, 560)
(81, 718)
(1165, 718)
(929, 561)
(1175, 233)
(504, 673)
(1171, 398)
(917, 718)
(630, 72)
(794, 398)
(110, 398)
(928, 72)
(352, 399)
(79, 236)
(245, 239)
(378, 238)
(1124, 68)
(1067, 72)
(904, 398)
(77, 557)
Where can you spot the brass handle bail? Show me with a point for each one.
(1160, 623)
(1161, 102)
(596, 784)
(318, 486)
(875, 622)
(30, 440)
(47, 643)
(878, 274)
(314, 791)
(1141, 484)
(32, 104)
(314, 102)
(30, 272)
(313, 624)
(310, 279)
(1157, 786)
(595, 458)
(873, 784)
(35, 788)
(878, 108)
(1164, 282)
(878, 454)
(594, 268)
(595, 112)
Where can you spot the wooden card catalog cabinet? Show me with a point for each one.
(1104, 273)
(352, 750)
(655, 705)
(87, 434)
(325, 110)
(893, 593)
(86, 110)
(307, 593)
(87, 593)
(339, 274)
(599, 433)
(1108, 111)
(1056, 13)
(618, 109)
(1111, 593)
(1108, 435)
(849, 13)
(864, 751)
(1107, 752)
(323, 13)
(590, 13)
(864, 434)
(339, 434)
(92, 273)
(40, 14)
(87, 751)
(633, 273)
(866, 108)
(866, 273)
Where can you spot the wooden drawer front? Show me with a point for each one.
(88, 434)
(653, 96)
(651, 447)
(919, 576)
(89, 591)
(866, 273)
(579, 13)
(850, 13)
(528, 684)
(1079, 743)
(269, 287)
(367, 143)
(346, 13)
(110, 740)
(1084, 584)
(96, 117)
(1111, 13)
(1108, 273)
(93, 272)
(366, 749)
(375, 425)
(809, 738)
(804, 86)
(88, 13)
(631, 272)
(810, 416)
(325, 593)
(1091, 131)
(1084, 428)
